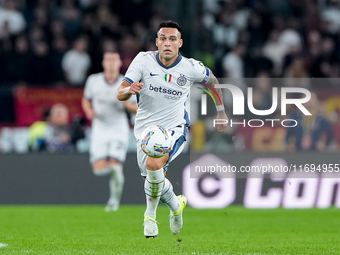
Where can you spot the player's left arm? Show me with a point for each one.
(212, 81)
(131, 107)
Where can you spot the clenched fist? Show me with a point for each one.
(136, 87)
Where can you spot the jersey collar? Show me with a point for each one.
(174, 64)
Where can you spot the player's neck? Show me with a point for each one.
(111, 77)
(168, 62)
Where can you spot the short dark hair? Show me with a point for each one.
(169, 23)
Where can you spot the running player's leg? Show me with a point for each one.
(98, 157)
(116, 183)
(153, 168)
(100, 168)
(154, 183)
(153, 186)
(175, 203)
(117, 148)
(169, 198)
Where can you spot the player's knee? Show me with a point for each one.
(113, 161)
(101, 171)
(153, 164)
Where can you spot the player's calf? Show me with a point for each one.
(153, 186)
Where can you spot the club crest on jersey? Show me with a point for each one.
(181, 81)
(167, 77)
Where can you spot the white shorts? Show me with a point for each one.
(106, 146)
(178, 142)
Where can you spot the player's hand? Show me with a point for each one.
(222, 127)
(90, 114)
(136, 87)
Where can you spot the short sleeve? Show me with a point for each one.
(135, 70)
(87, 90)
(201, 72)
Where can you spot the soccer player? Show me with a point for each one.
(161, 80)
(110, 128)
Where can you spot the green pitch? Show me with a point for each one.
(233, 230)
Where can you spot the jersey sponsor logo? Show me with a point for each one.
(165, 90)
(181, 81)
(154, 74)
(167, 77)
(168, 97)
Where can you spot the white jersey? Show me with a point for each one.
(103, 96)
(162, 99)
(110, 129)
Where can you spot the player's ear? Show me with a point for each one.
(180, 43)
(156, 42)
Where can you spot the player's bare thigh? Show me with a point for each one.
(154, 164)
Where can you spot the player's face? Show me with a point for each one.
(59, 116)
(168, 42)
(111, 62)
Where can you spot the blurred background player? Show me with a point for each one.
(154, 75)
(110, 127)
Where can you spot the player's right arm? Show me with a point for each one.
(131, 84)
(126, 90)
(87, 107)
(86, 102)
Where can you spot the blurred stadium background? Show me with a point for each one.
(40, 41)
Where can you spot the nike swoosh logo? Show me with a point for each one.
(154, 74)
